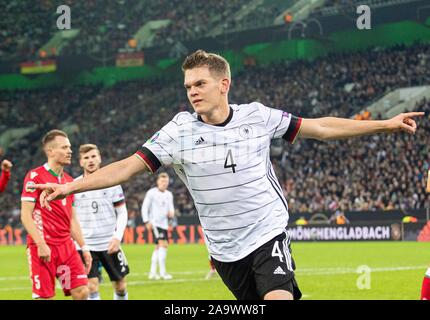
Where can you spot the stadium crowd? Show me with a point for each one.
(316, 176)
(106, 26)
(19, 34)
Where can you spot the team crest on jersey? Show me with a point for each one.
(153, 138)
(30, 186)
(245, 131)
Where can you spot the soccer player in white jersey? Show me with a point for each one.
(103, 216)
(157, 208)
(221, 152)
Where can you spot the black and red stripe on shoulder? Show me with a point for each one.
(119, 203)
(293, 129)
(149, 158)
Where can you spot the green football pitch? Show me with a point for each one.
(392, 270)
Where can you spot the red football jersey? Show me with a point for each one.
(53, 225)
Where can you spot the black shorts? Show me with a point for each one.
(115, 264)
(270, 267)
(159, 234)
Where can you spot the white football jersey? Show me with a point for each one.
(228, 171)
(96, 213)
(156, 206)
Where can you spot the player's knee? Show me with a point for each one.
(80, 293)
(278, 295)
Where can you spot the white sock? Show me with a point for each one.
(162, 253)
(154, 261)
(116, 296)
(94, 296)
(428, 273)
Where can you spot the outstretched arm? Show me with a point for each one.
(111, 175)
(330, 128)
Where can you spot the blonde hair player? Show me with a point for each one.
(103, 216)
(221, 153)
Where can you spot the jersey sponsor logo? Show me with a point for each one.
(245, 131)
(30, 186)
(81, 276)
(33, 175)
(153, 138)
(200, 141)
(279, 270)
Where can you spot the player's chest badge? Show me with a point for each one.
(245, 131)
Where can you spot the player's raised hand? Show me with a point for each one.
(404, 122)
(6, 165)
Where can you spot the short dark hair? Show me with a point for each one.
(50, 136)
(214, 62)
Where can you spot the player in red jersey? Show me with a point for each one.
(6, 165)
(50, 249)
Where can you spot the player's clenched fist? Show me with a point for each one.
(6, 165)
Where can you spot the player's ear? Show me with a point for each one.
(225, 85)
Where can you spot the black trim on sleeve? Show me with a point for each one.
(293, 129)
(150, 158)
